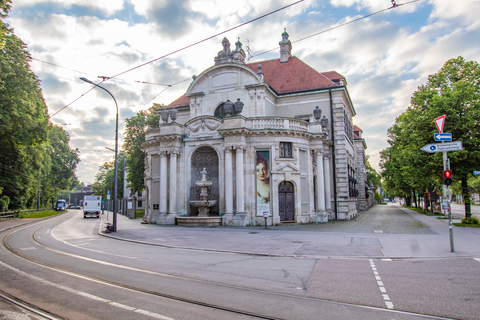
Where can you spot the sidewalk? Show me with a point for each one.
(382, 232)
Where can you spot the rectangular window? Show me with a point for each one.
(286, 150)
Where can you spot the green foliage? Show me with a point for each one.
(105, 178)
(39, 214)
(454, 92)
(35, 155)
(5, 6)
(470, 220)
(378, 197)
(373, 178)
(136, 129)
(4, 201)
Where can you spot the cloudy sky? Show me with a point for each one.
(384, 57)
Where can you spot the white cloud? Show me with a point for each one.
(109, 7)
(384, 58)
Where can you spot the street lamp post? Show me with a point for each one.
(114, 225)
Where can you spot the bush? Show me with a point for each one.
(471, 220)
(4, 202)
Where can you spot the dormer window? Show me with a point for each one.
(286, 150)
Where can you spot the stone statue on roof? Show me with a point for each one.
(227, 56)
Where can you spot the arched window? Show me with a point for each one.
(219, 112)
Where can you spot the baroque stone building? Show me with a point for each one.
(274, 137)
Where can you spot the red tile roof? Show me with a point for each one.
(183, 101)
(284, 78)
(294, 76)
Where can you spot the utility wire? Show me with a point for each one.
(58, 66)
(394, 5)
(206, 39)
(178, 50)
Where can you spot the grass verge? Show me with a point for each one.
(39, 214)
(477, 225)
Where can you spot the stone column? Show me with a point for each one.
(173, 183)
(239, 174)
(163, 183)
(228, 181)
(328, 187)
(320, 187)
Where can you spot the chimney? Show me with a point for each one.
(285, 47)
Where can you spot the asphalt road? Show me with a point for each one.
(313, 273)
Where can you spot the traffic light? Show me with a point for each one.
(447, 177)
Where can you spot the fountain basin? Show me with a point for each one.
(203, 203)
(203, 184)
(203, 206)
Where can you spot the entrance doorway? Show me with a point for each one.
(286, 201)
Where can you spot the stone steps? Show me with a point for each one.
(199, 221)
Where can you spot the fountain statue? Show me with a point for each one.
(203, 204)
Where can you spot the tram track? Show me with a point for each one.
(122, 286)
(164, 295)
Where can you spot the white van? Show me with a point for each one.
(92, 206)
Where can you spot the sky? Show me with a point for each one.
(152, 48)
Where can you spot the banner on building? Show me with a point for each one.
(262, 171)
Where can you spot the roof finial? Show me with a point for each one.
(285, 47)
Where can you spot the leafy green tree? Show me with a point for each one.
(455, 92)
(104, 179)
(373, 177)
(64, 159)
(35, 156)
(135, 132)
(5, 6)
(24, 123)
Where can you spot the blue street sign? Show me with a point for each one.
(476, 173)
(443, 136)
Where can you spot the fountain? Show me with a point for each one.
(204, 204)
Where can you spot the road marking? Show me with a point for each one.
(478, 259)
(381, 286)
(86, 295)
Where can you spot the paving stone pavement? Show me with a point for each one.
(384, 231)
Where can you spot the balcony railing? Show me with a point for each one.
(277, 123)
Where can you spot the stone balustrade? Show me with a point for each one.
(277, 123)
(248, 123)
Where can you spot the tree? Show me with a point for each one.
(64, 159)
(454, 92)
(24, 123)
(5, 6)
(135, 133)
(373, 178)
(104, 179)
(34, 154)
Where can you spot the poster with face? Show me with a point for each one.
(262, 171)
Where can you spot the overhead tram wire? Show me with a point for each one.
(394, 6)
(178, 50)
(208, 38)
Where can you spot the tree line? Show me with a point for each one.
(35, 156)
(132, 156)
(406, 170)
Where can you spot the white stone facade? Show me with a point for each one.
(305, 177)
